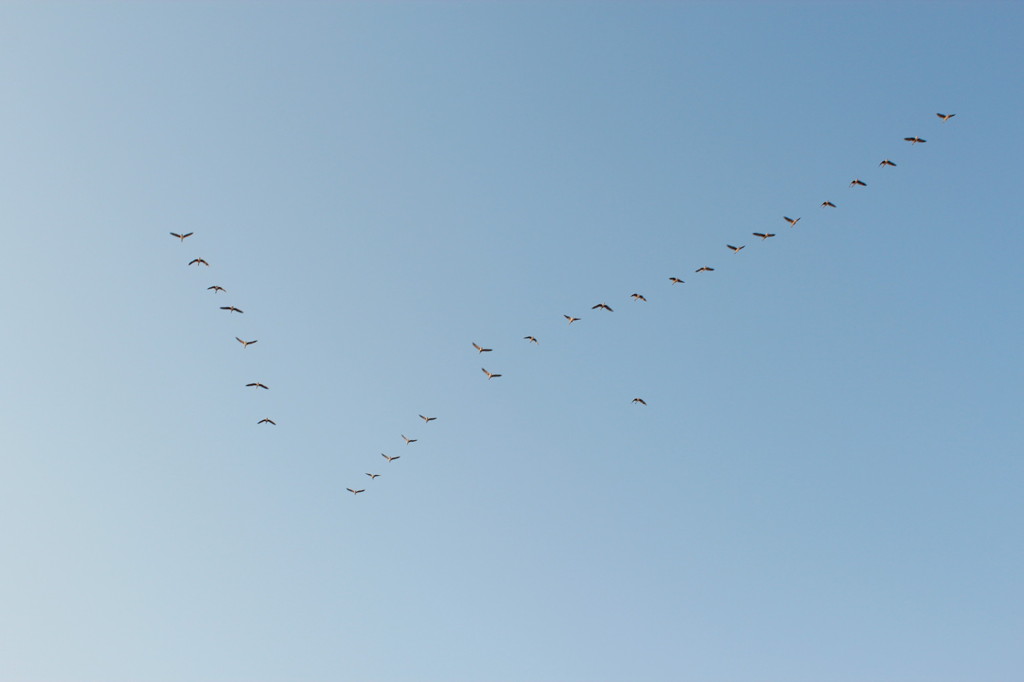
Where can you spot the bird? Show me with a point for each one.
(602, 306)
(257, 384)
(408, 440)
(944, 117)
(372, 476)
(481, 349)
(489, 375)
(427, 419)
(914, 140)
(764, 235)
(858, 182)
(198, 261)
(704, 269)
(390, 458)
(531, 339)
(216, 289)
(735, 249)
(676, 280)
(356, 492)
(571, 319)
(792, 222)
(887, 162)
(231, 309)
(267, 421)
(246, 344)
(640, 400)
(182, 236)
(827, 204)
(638, 297)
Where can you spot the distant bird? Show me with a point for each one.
(267, 421)
(914, 140)
(704, 269)
(640, 400)
(182, 236)
(408, 440)
(858, 182)
(198, 261)
(481, 349)
(638, 297)
(373, 476)
(602, 306)
(356, 492)
(531, 339)
(944, 117)
(571, 319)
(676, 280)
(827, 204)
(216, 289)
(231, 309)
(427, 419)
(792, 222)
(246, 344)
(887, 162)
(257, 384)
(489, 375)
(389, 458)
(735, 249)
(764, 235)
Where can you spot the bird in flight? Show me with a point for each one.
(356, 492)
(182, 236)
(640, 401)
(216, 289)
(704, 269)
(489, 375)
(267, 421)
(231, 309)
(408, 440)
(198, 261)
(571, 319)
(638, 297)
(827, 204)
(887, 162)
(944, 117)
(735, 249)
(914, 140)
(676, 280)
(481, 349)
(792, 222)
(858, 182)
(373, 476)
(427, 419)
(389, 458)
(246, 344)
(602, 306)
(531, 339)
(764, 235)
(257, 384)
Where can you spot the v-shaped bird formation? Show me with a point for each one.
(216, 289)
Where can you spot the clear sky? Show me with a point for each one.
(825, 483)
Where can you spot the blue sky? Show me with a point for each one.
(824, 484)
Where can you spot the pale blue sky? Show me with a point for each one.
(824, 485)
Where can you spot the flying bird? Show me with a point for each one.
(676, 280)
(602, 306)
(408, 440)
(944, 117)
(390, 458)
(216, 289)
(764, 235)
(246, 344)
(640, 400)
(267, 421)
(638, 297)
(704, 269)
(531, 339)
(356, 492)
(735, 249)
(373, 476)
(198, 261)
(489, 375)
(858, 182)
(231, 309)
(914, 140)
(792, 222)
(571, 319)
(427, 419)
(887, 162)
(182, 236)
(481, 349)
(258, 385)
(827, 204)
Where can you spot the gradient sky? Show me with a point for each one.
(824, 485)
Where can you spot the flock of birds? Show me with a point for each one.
(217, 289)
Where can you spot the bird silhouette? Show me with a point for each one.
(887, 162)
(356, 492)
(373, 476)
(676, 280)
(764, 235)
(602, 306)
(408, 440)
(267, 421)
(704, 269)
(182, 236)
(389, 458)
(489, 374)
(858, 182)
(827, 204)
(640, 400)
(216, 289)
(914, 140)
(427, 419)
(257, 384)
(638, 297)
(944, 117)
(792, 221)
(531, 339)
(231, 309)
(571, 319)
(735, 249)
(198, 261)
(246, 344)
(481, 349)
